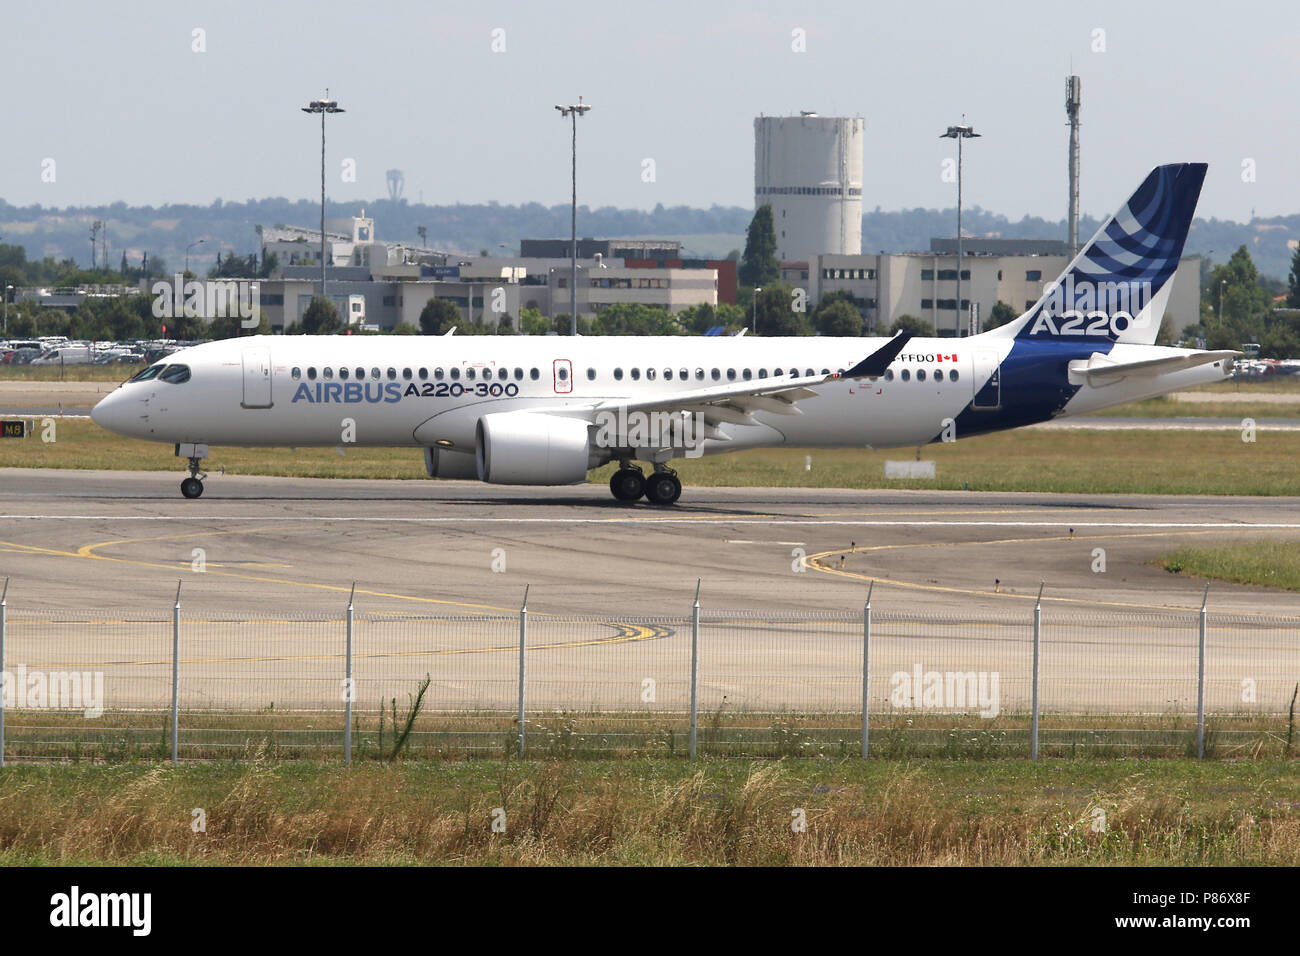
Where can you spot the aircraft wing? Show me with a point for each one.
(1097, 370)
(735, 402)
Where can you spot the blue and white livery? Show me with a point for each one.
(546, 410)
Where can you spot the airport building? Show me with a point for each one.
(808, 168)
(382, 285)
(924, 284)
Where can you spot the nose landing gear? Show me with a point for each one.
(192, 487)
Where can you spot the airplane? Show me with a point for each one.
(544, 410)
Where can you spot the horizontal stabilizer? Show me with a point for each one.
(1099, 371)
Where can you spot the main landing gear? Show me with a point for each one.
(192, 486)
(629, 483)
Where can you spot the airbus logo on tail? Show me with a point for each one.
(1098, 309)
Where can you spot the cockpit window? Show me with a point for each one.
(175, 374)
(145, 374)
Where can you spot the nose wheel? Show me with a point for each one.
(192, 487)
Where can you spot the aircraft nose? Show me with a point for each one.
(116, 413)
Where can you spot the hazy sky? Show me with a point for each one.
(115, 94)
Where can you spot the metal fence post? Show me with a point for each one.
(695, 667)
(348, 686)
(866, 665)
(523, 642)
(1200, 678)
(1038, 633)
(4, 608)
(176, 676)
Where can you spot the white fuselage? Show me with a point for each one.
(426, 391)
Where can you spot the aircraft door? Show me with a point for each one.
(986, 380)
(563, 372)
(257, 378)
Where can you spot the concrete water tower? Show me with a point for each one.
(809, 169)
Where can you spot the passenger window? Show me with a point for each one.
(361, 373)
(699, 374)
(952, 375)
(747, 374)
(503, 373)
(423, 373)
(825, 371)
(374, 373)
(811, 373)
(311, 372)
(650, 374)
(343, 372)
(437, 373)
(455, 374)
(715, 374)
(618, 375)
(889, 375)
(563, 373)
(668, 375)
(794, 372)
(519, 375)
(938, 375)
(920, 375)
(762, 373)
(636, 374)
(142, 377)
(534, 374)
(591, 375)
(329, 372)
(905, 375)
(175, 374)
(469, 374)
(406, 374)
(392, 374)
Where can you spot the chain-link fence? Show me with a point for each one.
(882, 680)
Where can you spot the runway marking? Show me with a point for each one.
(87, 552)
(814, 561)
(628, 634)
(737, 519)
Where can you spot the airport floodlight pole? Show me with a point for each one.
(8, 289)
(322, 107)
(753, 311)
(958, 133)
(196, 242)
(1222, 283)
(572, 113)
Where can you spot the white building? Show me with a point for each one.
(808, 168)
(924, 284)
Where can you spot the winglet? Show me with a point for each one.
(874, 365)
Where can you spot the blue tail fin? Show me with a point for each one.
(1116, 288)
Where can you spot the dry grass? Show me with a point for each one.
(937, 813)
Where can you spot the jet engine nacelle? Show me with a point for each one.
(441, 463)
(526, 448)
